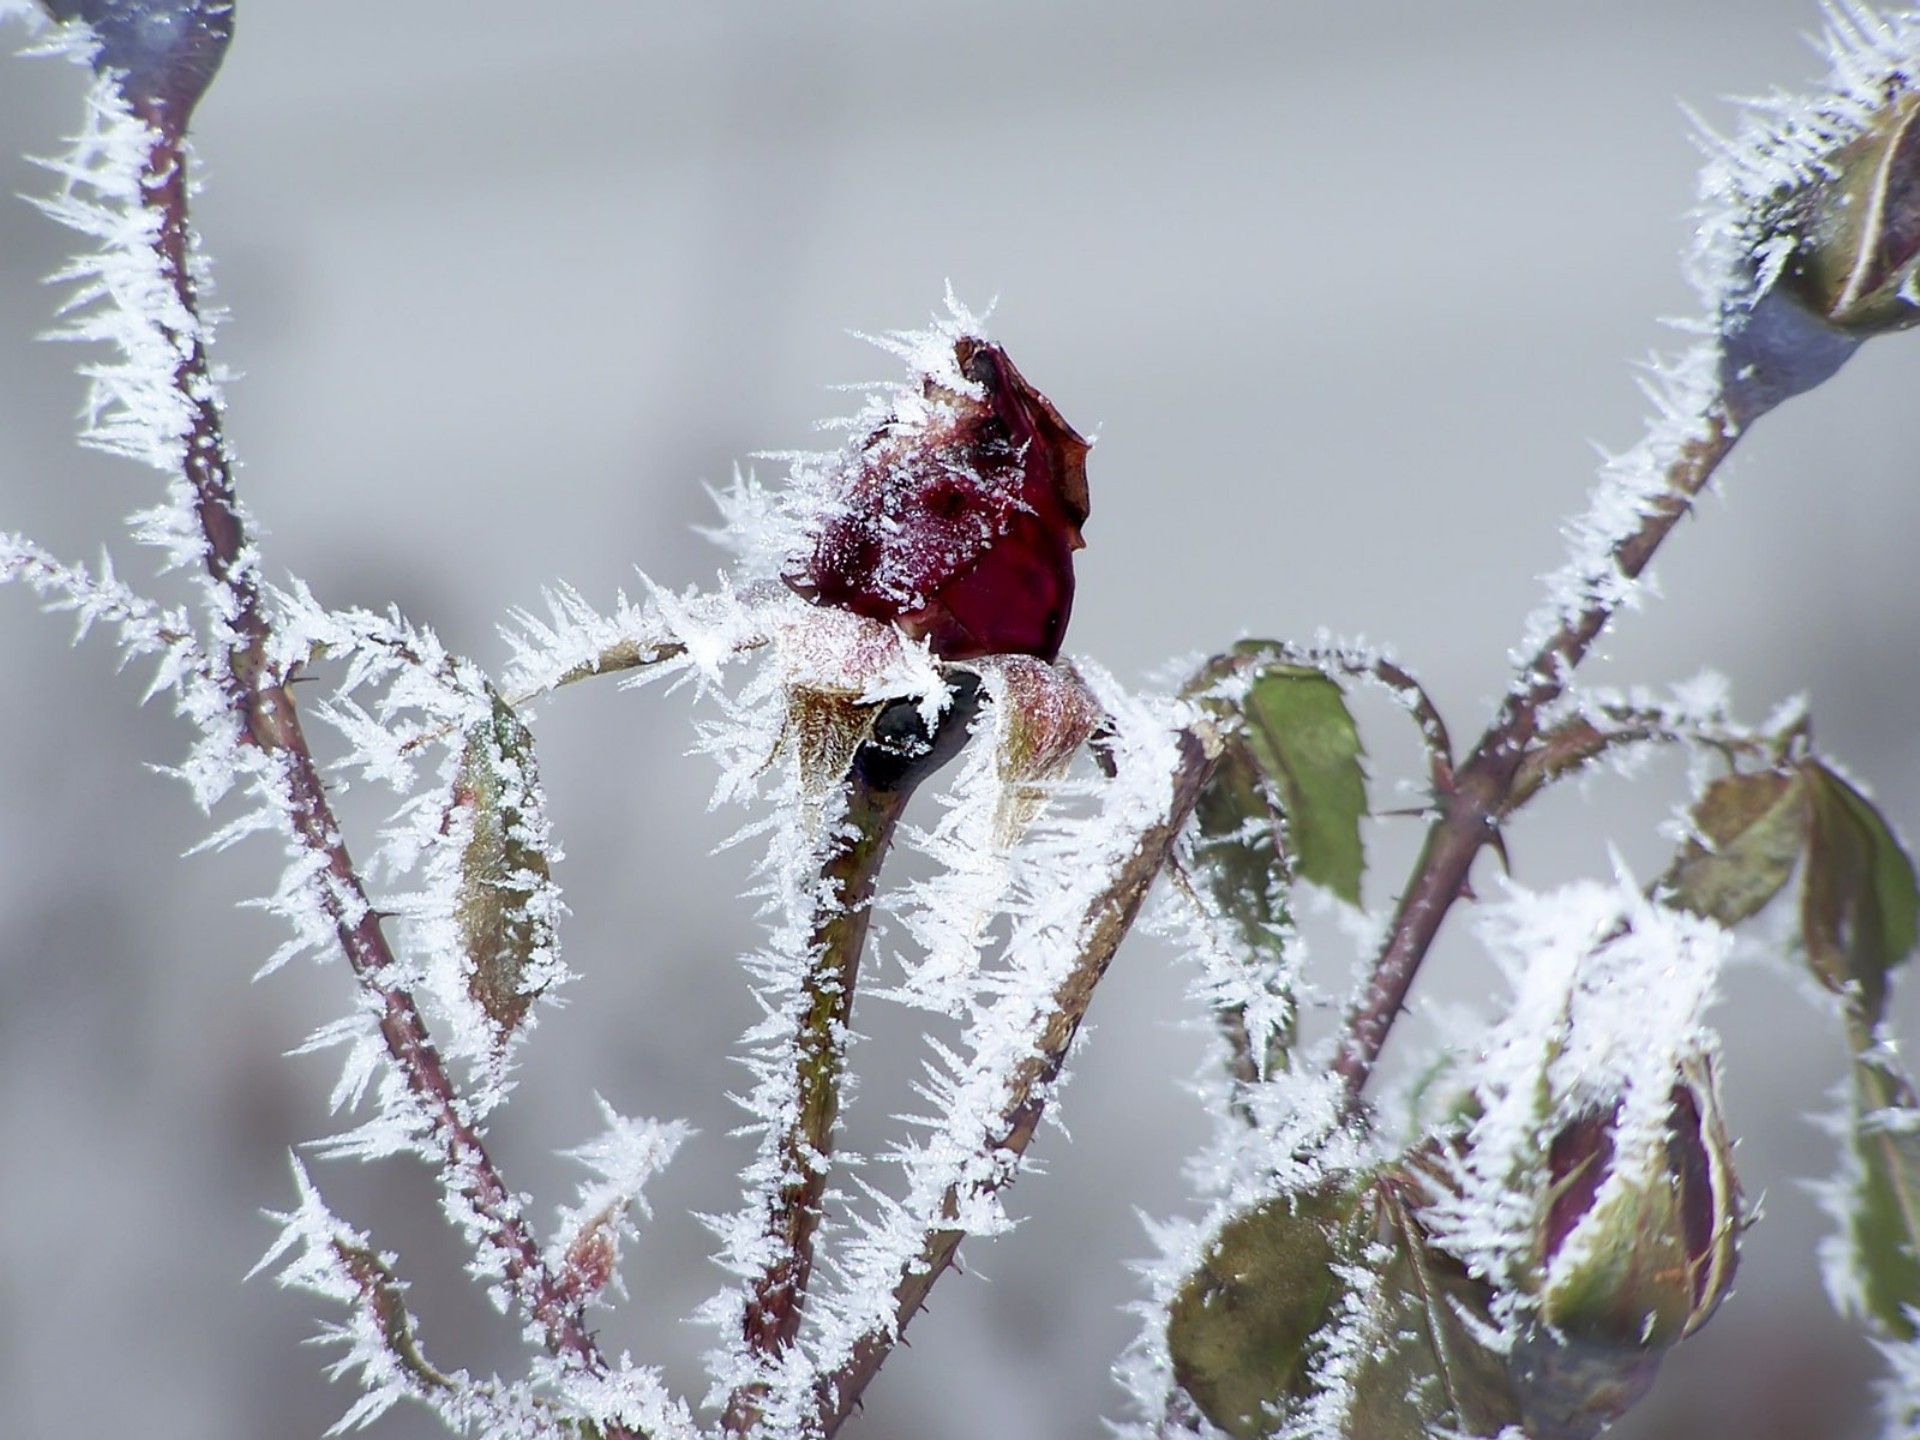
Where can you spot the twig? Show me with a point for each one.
(1484, 785)
(1103, 926)
(1581, 740)
(265, 708)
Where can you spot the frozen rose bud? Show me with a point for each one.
(1637, 1245)
(1639, 1249)
(1847, 247)
(166, 51)
(1856, 255)
(958, 523)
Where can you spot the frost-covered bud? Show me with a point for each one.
(165, 51)
(1637, 1242)
(592, 1258)
(956, 518)
(1856, 253)
(1833, 260)
(1638, 1237)
(1042, 715)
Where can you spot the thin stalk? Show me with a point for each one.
(265, 710)
(849, 872)
(1485, 785)
(1103, 926)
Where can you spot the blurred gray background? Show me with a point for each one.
(1346, 293)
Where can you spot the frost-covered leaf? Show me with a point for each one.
(1238, 848)
(1241, 1332)
(1239, 859)
(1859, 906)
(1749, 831)
(506, 903)
(1879, 1248)
(1300, 737)
(1430, 1369)
(1330, 1315)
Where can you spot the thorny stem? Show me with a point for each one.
(863, 836)
(265, 710)
(1484, 786)
(1576, 743)
(1102, 928)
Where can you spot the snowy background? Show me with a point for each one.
(1346, 296)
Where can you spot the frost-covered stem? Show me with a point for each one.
(265, 709)
(1102, 928)
(1573, 745)
(1484, 785)
(383, 1301)
(1361, 664)
(839, 937)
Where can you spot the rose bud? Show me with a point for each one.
(1637, 1249)
(1856, 232)
(957, 516)
(1846, 241)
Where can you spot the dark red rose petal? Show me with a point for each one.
(960, 532)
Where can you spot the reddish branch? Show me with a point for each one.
(1102, 928)
(265, 710)
(1486, 786)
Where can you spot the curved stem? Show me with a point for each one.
(1485, 784)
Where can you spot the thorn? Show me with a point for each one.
(1499, 844)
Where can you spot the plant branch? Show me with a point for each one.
(1579, 741)
(862, 838)
(1485, 784)
(1102, 927)
(264, 708)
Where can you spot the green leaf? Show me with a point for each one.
(1240, 862)
(1883, 1229)
(1303, 740)
(1860, 905)
(1346, 1264)
(1241, 1331)
(1425, 1373)
(1749, 833)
